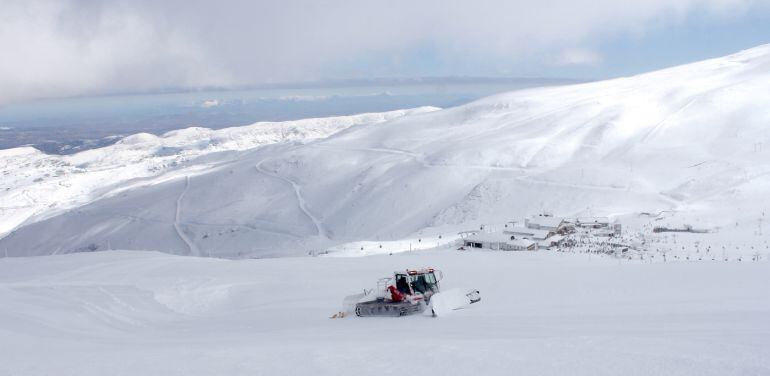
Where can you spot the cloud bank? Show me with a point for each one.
(78, 47)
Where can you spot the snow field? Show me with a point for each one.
(544, 313)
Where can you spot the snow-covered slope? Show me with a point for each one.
(36, 185)
(692, 140)
(541, 313)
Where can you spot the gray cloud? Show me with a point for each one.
(70, 47)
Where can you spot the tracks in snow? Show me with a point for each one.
(177, 226)
(31, 201)
(322, 232)
(524, 178)
(421, 159)
(320, 229)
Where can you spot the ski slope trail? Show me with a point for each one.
(525, 178)
(320, 230)
(421, 158)
(27, 197)
(178, 221)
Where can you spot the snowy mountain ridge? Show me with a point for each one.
(689, 140)
(37, 185)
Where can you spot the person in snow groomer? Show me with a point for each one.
(395, 295)
(403, 286)
(399, 292)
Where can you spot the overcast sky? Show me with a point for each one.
(81, 47)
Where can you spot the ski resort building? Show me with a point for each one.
(612, 230)
(543, 238)
(529, 233)
(499, 241)
(553, 241)
(593, 222)
(544, 222)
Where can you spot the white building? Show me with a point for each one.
(593, 222)
(553, 241)
(543, 238)
(528, 233)
(543, 222)
(499, 241)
